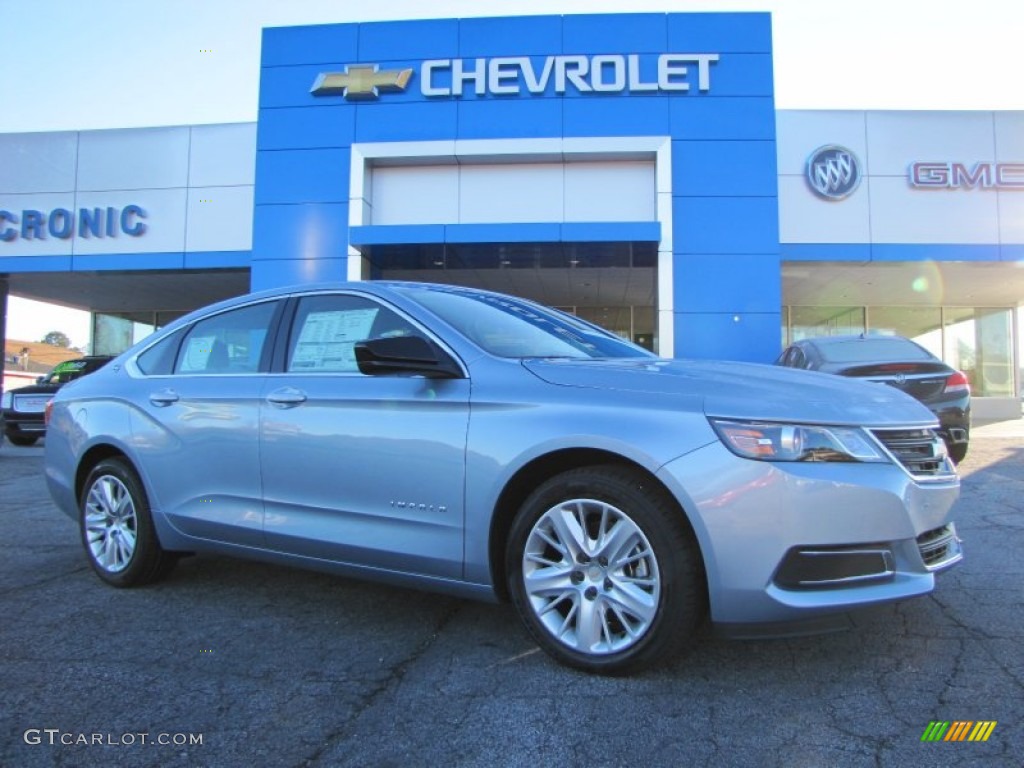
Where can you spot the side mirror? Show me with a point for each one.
(412, 355)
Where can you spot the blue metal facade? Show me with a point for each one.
(725, 245)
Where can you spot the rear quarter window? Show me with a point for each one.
(158, 360)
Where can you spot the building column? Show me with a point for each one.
(4, 291)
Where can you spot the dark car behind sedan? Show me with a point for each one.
(900, 363)
(22, 409)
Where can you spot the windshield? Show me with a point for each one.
(510, 327)
(873, 350)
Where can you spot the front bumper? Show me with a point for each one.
(797, 543)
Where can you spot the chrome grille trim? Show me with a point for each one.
(940, 547)
(921, 452)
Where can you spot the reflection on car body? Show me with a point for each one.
(485, 446)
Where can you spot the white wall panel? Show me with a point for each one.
(511, 193)
(47, 245)
(621, 191)
(1011, 217)
(897, 139)
(489, 193)
(902, 214)
(37, 162)
(800, 132)
(165, 221)
(422, 194)
(148, 158)
(1009, 137)
(222, 155)
(219, 219)
(806, 218)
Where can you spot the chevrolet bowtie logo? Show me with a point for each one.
(360, 82)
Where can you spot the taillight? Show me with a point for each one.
(957, 383)
(48, 411)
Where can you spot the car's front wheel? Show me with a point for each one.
(605, 571)
(117, 527)
(24, 442)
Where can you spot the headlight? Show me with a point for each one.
(6, 400)
(796, 442)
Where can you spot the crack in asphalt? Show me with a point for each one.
(43, 582)
(952, 617)
(388, 683)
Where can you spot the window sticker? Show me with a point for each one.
(327, 339)
(197, 353)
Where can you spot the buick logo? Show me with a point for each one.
(833, 172)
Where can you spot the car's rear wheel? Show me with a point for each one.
(605, 571)
(24, 442)
(117, 527)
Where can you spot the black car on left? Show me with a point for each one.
(24, 408)
(900, 363)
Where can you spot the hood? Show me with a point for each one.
(744, 390)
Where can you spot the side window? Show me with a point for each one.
(158, 360)
(799, 360)
(326, 330)
(231, 342)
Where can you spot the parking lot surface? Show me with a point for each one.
(234, 663)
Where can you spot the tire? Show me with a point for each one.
(612, 606)
(117, 527)
(958, 452)
(24, 442)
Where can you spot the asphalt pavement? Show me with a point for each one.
(232, 663)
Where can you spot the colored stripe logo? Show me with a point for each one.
(959, 730)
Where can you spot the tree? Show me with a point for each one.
(57, 339)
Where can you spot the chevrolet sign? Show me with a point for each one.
(510, 75)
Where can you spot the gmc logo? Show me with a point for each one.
(959, 176)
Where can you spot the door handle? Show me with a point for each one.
(287, 397)
(163, 398)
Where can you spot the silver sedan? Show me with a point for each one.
(481, 445)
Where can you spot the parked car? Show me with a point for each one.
(23, 408)
(900, 363)
(484, 446)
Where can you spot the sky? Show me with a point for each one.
(73, 65)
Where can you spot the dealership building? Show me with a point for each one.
(629, 168)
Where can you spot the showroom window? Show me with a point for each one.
(922, 324)
(976, 340)
(805, 322)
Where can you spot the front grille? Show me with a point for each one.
(940, 547)
(920, 451)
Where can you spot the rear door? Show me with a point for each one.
(199, 431)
